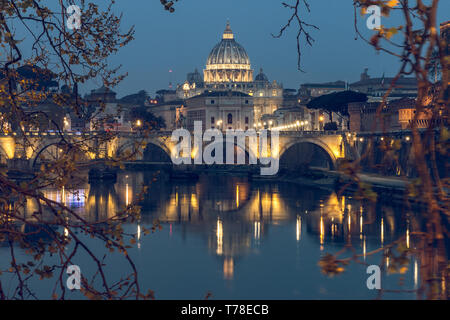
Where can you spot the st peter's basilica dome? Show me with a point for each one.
(228, 61)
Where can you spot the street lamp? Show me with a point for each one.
(321, 120)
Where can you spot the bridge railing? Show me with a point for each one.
(312, 133)
(50, 133)
(169, 133)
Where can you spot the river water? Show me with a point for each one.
(241, 239)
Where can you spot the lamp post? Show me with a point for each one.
(138, 123)
(321, 120)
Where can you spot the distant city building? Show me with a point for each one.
(376, 88)
(397, 115)
(312, 90)
(220, 109)
(107, 115)
(267, 96)
(170, 112)
(163, 96)
(193, 86)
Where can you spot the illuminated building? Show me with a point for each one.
(228, 64)
(220, 109)
(228, 68)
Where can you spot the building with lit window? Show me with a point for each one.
(220, 109)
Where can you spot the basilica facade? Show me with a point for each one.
(228, 68)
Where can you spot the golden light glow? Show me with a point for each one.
(228, 268)
(349, 223)
(416, 274)
(228, 66)
(194, 201)
(63, 195)
(219, 236)
(8, 145)
(299, 227)
(127, 195)
(322, 232)
(361, 224)
(407, 237)
(364, 248)
(194, 152)
(257, 230)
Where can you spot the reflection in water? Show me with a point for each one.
(234, 215)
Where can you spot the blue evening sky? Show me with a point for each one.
(181, 41)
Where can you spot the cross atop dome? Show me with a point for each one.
(228, 34)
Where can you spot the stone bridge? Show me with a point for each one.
(322, 149)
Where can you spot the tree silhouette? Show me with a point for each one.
(336, 102)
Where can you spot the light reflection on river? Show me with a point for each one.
(250, 240)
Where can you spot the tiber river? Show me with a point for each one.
(241, 240)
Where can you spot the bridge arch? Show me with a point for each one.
(238, 149)
(51, 148)
(154, 151)
(54, 149)
(307, 151)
